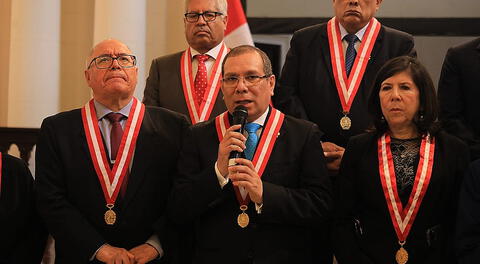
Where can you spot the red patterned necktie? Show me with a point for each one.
(201, 78)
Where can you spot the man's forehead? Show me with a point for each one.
(110, 48)
(205, 5)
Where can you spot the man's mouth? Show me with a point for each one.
(243, 102)
(352, 13)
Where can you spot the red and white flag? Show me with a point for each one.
(237, 32)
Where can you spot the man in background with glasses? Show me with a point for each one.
(265, 207)
(104, 172)
(189, 81)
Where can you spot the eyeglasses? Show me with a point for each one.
(249, 80)
(208, 16)
(106, 61)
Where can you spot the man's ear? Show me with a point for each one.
(86, 73)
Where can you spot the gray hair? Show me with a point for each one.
(240, 50)
(221, 5)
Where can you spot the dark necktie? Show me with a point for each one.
(115, 134)
(252, 139)
(115, 138)
(351, 52)
(201, 78)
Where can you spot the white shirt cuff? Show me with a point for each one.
(155, 243)
(95, 254)
(221, 180)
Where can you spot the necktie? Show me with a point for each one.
(115, 138)
(351, 52)
(201, 78)
(115, 134)
(252, 139)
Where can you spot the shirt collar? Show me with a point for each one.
(359, 33)
(212, 52)
(262, 118)
(102, 110)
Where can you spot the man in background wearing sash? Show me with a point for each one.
(188, 82)
(264, 208)
(104, 172)
(330, 68)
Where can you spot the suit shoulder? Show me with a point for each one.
(310, 31)
(467, 46)
(362, 140)
(299, 122)
(300, 127)
(451, 141)
(12, 162)
(63, 117)
(206, 125)
(168, 58)
(163, 113)
(395, 33)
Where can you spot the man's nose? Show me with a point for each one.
(241, 87)
(115, 65)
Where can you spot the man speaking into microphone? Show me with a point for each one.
(265, 207)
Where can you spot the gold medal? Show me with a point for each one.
(345, 122)
(402, 255)
(110, 216)
(243, 218)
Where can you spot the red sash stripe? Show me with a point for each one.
(202, 112)
(111, 179)
(403, 218)
(347, 87)
(265, 145)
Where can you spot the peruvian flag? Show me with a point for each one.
(237, 32)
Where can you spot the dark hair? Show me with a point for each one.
(426, 120)
(240, 50)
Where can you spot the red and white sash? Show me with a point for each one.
(264, 147)
(347, 87)
(111, 179)
(199, 113)
(403, 218)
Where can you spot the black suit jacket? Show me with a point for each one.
(22, 233)
(164, 86)
(468, 220)
(458, 93)
(296, 200)
(70, 198)
(360, 196)
(307, 90)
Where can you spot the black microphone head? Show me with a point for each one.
(240, 115)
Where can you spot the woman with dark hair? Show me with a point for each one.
(398, 184)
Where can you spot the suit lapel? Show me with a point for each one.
(325, 50)
(140, 161)
(376, 47)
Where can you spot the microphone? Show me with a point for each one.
(240, 115)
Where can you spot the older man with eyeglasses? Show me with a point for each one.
(188, 82)
(265, 206)
(104, 172)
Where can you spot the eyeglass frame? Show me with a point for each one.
(203, 16)
(113, 58)
(248, 84)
